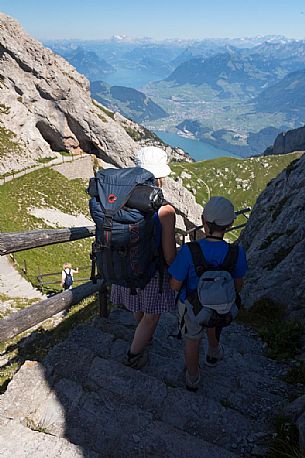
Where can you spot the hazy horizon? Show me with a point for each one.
(171, 20)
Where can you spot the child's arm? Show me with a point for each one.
(178, 270)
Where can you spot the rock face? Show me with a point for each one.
(46, 104)
(275, 242)
(287, 142)
(81, 399)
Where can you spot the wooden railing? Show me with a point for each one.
(19, 241)
(31, 316)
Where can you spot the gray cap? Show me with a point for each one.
(219, 210)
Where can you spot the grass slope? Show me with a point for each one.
(240, 180)
(44, 188)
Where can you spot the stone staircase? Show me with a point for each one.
(82, 402)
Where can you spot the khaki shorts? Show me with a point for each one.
(189, 329)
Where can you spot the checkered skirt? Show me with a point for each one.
(147, 300)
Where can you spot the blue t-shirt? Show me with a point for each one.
(182, 268)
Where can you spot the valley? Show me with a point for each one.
(232, 89)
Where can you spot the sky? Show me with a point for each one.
(159, 19)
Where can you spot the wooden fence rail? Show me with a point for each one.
(10, 242)
(36, 313)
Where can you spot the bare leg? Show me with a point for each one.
(144, 332)
(138, 316)
(212, 339)
(191, 353)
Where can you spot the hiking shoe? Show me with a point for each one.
(213, 357)
(136, 361)
(192, 383)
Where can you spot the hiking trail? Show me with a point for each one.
(82, 402)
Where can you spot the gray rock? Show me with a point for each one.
(296, 408)
(287, 142)
(275, 242)
(19, 441)
(49, 108)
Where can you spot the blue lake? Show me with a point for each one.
(131, 78)
(198, 150)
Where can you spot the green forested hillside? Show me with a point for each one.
(44, 188)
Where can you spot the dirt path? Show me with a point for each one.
(13, 287)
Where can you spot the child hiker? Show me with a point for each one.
(217, 269)
(67, 276)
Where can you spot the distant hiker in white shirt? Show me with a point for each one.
(67, 276)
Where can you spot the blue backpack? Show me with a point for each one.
(123, 203)
(68, 279)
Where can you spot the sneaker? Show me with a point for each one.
(214, 357)
(136, 361)
(192, 383)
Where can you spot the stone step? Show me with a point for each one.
(97, 421)
(84, 393)
(230, 383)
(148, 392)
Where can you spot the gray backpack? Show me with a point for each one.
(213, 304)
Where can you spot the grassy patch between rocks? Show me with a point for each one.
(7, 142)
(285, 442)
(283, 337)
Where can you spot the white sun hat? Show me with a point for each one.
(154, 160)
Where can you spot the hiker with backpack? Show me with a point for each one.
(157, 296)
(208, 276)
(135, 242)
(67, 276)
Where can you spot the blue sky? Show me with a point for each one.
(159, 19)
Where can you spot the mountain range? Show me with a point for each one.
(286, 96)
(231, 88)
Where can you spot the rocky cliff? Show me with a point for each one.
(287, 142)
(275, 241)
(45, 108)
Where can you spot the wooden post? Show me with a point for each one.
(36, 313)
(103, 300)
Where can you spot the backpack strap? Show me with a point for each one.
(230, 260)
(198, 258)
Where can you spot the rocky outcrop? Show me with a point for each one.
(46, 108)
(275, 242)
(287, 142)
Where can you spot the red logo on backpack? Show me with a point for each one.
(112, 198)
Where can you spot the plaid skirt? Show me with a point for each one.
(149, 299)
